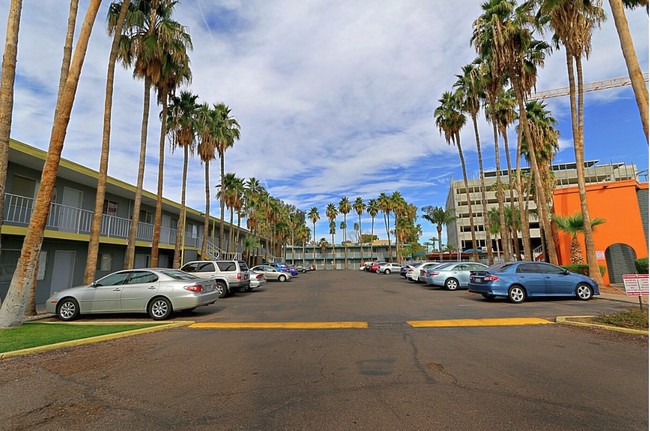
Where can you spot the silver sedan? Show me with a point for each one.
(271, 273)
(452, 276)
(157, 292)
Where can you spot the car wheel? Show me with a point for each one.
(387, 272)
(67, 309)
(516, 294)
(160, 308)
(451, 284)
(584, 292)
(221, 288)
(488, 296)
(282, 278)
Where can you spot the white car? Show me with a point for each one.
(257, 280)
(413, 271)
(389, 267)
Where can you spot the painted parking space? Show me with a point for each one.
(280, 325)
(513, 321)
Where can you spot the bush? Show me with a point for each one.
(582, 268)
(641, 265)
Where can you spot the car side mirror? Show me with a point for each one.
(93, 284)
(566, 272)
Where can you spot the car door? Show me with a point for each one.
(138, 290)
(461, 273)
(529, 276)
(104, 294)
(558, 282)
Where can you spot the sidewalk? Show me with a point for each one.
(616, 292)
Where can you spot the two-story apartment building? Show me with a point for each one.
(65, 245)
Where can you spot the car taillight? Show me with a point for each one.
(260, 276)
(434, 273)
(194, 288)
(238, 276)
(490, 278)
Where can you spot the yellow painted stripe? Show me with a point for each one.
(477, 322)
(280, 325)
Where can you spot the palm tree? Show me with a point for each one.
(303, 236)
(450, 121)
(438, 216)
(116, 15)
(13, 308)
(495, 226)
(344, 208)
(506, 44)
(322, 243)
(629, 53)
(314, 217)
(469, 87)
(147, 29)
(373, 210)
(182, 128)
(175, 70)
(227, 133)
(386, 206)
(331, 212)
(573, 24)
(359, 207)
(401, 212)
(573, 225)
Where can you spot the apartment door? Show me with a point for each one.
(70, 210)
(63, 271)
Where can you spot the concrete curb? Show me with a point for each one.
(97, 339)
(564, 320)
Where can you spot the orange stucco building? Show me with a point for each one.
(624, 235)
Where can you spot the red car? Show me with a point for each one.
(375, 266)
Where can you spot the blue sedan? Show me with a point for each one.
(520, 280)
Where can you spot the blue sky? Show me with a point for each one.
(334, 98)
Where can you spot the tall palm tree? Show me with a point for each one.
(228, 132)
(373, 210)
(504, 41)
(506, 114)
(573, 23)
(116, 16)
(13, 308)
(359, 207)
(495, 226)
(386, 207)
(303, 236)
(175, 71)
(147, 29)
(344, 208)
(206, 151)
(438, 216)
(545, 145)
(331, 212)
(573, 225)
(631, 60)
(182, 128)
(401, 212)
(450, 120)
(469, 87)
(314, 217)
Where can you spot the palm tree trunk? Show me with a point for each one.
(135, 218)
(221, 201)
(372, 234)
(469, 202)
(7, 97)
(499, 190)
(523, 200)
(93, 242)
(513, 223)
(579, 147)
(486, 222)
(13, 308)
(543, 209)
(155, 241)
(314, 249)
(206, 219)
(180, 226)
(439, 230)
(631, 61)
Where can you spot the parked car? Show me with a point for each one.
(520, 280)
(453, 275)
(389, 267)
(405, 267)
(235, 272)
(305, 268)
(375, 266)
(271, 273)
(368, 264)
(282, 266)
(157, 292)
(257, 280)
(422, 270)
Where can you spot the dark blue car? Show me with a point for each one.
(520, 280)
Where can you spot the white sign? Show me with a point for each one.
(636, 284)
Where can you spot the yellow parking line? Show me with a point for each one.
(477, 322)
(280, 325)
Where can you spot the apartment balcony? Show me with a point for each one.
(62, 218)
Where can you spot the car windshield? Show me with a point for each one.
(178, 275)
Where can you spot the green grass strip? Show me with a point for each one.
(33, 334)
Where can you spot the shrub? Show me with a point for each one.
(641, 265)
(582, 268)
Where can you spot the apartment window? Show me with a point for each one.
(146, 217)
(110, 208)
(23, 186)
(105, 262)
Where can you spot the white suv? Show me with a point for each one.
(235, 272)
(388, 267)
